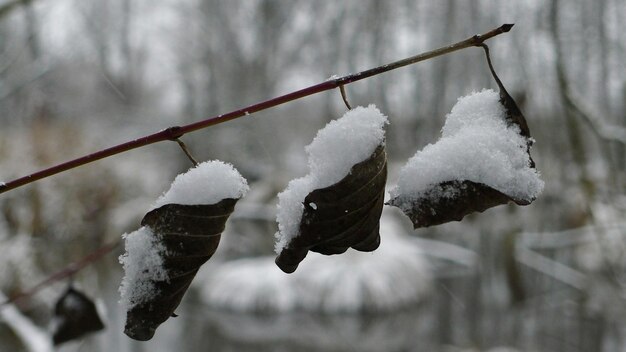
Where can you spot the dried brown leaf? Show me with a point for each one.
(343, 215)
(462, 197)
(190, 235)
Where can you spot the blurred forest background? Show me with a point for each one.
(77, 76)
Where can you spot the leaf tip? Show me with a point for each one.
(140, 332)
(289, 259)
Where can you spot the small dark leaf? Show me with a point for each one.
(343, 215)
(190, 235)
(75, 315)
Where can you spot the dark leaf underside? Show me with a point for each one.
(463, 198)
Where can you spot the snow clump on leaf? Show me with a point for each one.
(207, 183)
(143, 265)
(478, 145)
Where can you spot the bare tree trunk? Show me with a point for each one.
(576, 141)
(32, 28)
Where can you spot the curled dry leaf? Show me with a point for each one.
(75, 315)
(464, 197)
(452, 199)
(190, 235)
(343, 215)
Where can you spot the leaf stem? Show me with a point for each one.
(183, 146)
(175, 132)
(344, 96)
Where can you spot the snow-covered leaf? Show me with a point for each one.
(344, 215)
(481, 160)
(189, 235)
(337, 204)
(75, 315)
(165, 254)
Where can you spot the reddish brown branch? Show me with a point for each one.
(173, 133)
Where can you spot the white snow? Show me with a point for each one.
(337, 147)
(477, 145)
(207, 183)
(353, 282)
(35, 339)
(143, 264)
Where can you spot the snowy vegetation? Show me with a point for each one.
(545, 277)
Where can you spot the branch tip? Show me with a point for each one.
(506, 27)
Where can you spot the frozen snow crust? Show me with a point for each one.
(476, 145)
(341, 144)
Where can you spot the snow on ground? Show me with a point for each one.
(35, 338)
(394, 275)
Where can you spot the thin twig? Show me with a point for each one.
(344, 96)
(604, 131)
(175, 132)
(552, 268)
(183, 146)
(64, 273)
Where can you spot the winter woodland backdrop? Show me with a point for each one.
(80, 75)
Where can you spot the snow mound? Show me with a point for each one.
(337, 147)
(396, 274)
(476, 145)
(207, 183)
